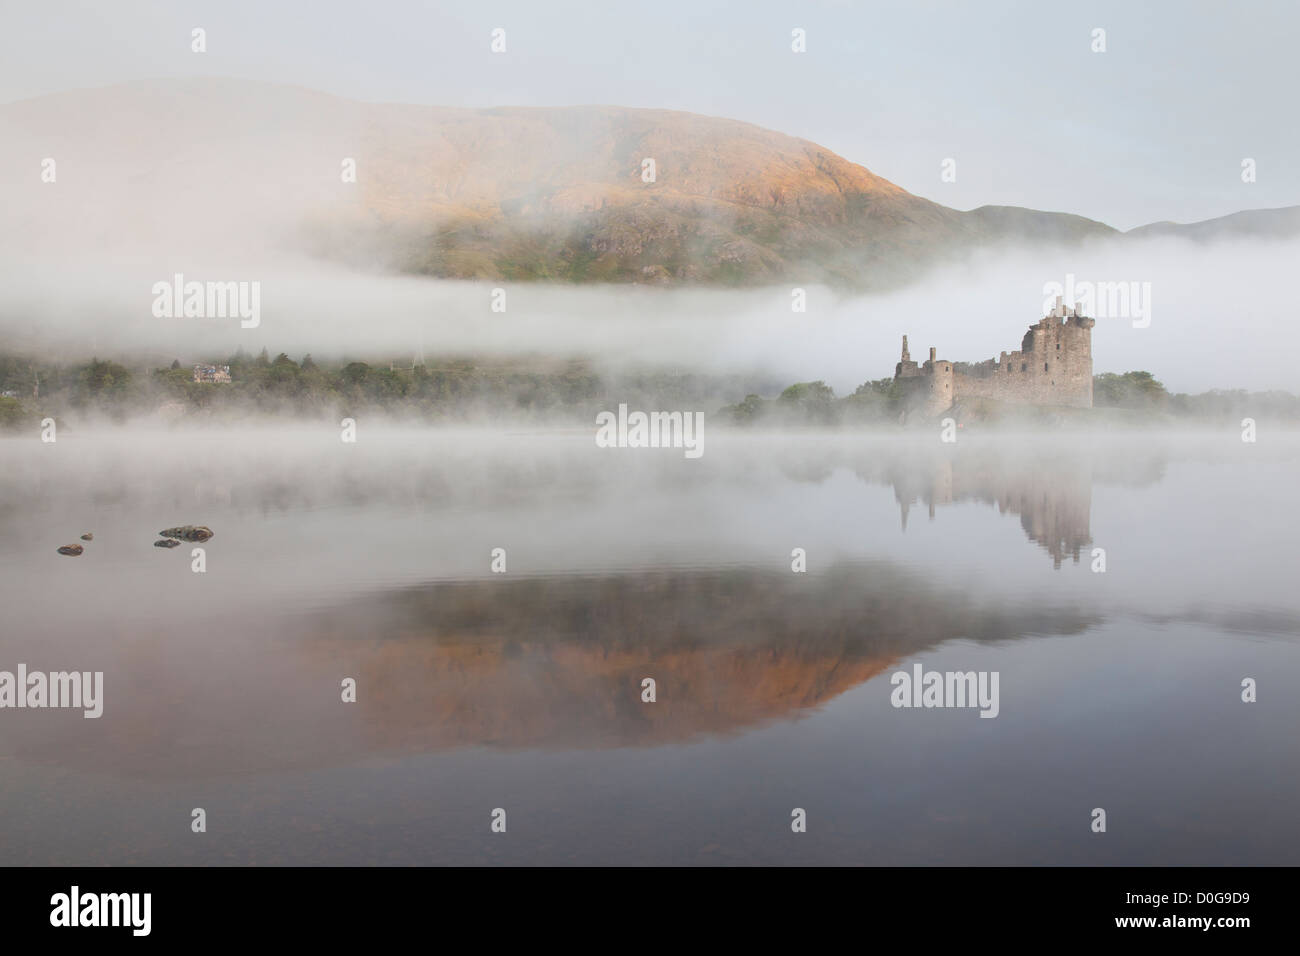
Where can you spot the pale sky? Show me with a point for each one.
(1154, 128)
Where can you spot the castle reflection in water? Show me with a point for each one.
(1054, 504)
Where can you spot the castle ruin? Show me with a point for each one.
(1052, 367)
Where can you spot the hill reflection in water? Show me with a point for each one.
(476, 689)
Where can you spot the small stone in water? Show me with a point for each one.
(188, 532)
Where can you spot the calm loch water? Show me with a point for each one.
(523, 690)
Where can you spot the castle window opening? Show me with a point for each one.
(1044, 366)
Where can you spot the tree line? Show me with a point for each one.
(467, 390)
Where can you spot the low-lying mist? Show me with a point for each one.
(1216, 316)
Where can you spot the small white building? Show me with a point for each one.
(212, 374)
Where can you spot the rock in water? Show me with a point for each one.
(166, 543)
(188, 532)
(73, 549)
(87, 537)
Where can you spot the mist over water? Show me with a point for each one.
(1214, 320)
(373, 561)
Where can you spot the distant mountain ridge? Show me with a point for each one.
(1283, 223)
(562, 194)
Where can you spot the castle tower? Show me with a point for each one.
(940, 391)
(1056, 358)
(906, 368)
